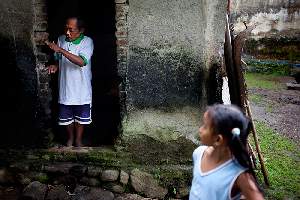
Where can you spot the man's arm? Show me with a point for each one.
(73, 58)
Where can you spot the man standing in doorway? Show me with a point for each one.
(73, 53)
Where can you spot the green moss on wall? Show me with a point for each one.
(274, 48)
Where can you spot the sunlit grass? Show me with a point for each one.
(270, 108)
(282, 158)
(256, 98)
(263, 81)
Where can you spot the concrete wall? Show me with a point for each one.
(16, 21)
(277, 31)
(25, 78)
(18, 75)
(273, 17)
(166, 53)
(172, 45)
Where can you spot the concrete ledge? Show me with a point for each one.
(293, 86)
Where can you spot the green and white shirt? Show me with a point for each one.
(74, 81)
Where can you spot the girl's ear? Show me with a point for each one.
(219, 140)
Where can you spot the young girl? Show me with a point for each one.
(222, 167)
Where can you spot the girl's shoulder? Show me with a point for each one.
(199, 151)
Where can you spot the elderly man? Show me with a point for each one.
(73, 53)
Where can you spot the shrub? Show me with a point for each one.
(269, 67)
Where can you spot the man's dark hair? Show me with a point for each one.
(79, 20)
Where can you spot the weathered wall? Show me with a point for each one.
(172, 45)
(16, 26)
(166, 50)
(273, 17)
(19, 80)
(25, 85)
(277, 31)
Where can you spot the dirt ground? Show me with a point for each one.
(279, 109)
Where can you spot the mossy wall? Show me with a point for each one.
(277, 31)
(172, 45)
(18, 74)
(282, 48)
(272, 17)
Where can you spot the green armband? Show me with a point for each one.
(84, 60)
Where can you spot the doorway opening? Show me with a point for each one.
(100, 26)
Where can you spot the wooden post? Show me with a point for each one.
(260, 156)
(233, 84)
(236, 80)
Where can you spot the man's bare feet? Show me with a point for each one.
(79, 144)
(69, 143)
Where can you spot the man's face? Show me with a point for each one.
(71, 30)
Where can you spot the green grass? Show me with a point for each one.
(256, 98)
(269, 108)
(261, 100)
(263, 81)
(282, 158)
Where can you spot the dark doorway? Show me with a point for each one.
(18, 87)
(99, 17)
(8, 89)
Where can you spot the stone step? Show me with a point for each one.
(293, 86)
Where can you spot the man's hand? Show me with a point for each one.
(71, 57)
(52, 69)
(53, 46)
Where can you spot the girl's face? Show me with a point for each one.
(206, 133)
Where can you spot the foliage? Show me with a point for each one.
(269, 67)
(282, 48)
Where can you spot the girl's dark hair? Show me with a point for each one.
(225, 118)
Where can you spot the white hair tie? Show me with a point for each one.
(236, 132)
